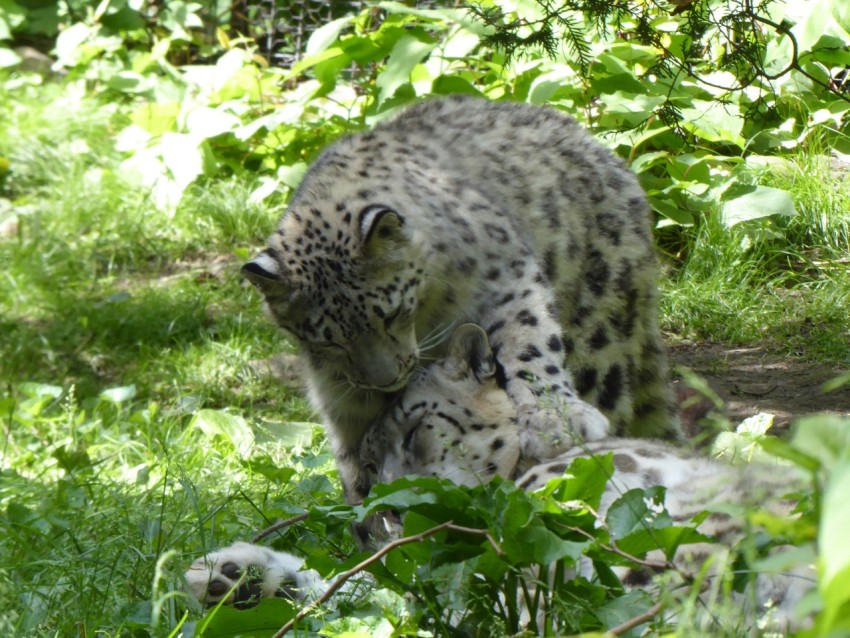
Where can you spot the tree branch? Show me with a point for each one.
(386, 549)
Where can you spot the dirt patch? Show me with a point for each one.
(752, 380)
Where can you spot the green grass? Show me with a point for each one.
(101, 291)
(782, 283)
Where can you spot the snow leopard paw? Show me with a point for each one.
(242, 574)
(547, 432)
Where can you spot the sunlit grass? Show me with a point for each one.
(781, 282)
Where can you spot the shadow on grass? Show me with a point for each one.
(100, 340)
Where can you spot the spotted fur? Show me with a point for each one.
(456, 421)
(461, 209)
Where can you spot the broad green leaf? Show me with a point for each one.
(7, 56)
(665, 206)
(206, 122)
(260, 621)
(156, 118)
(290, 433)
(183, 158)
(667, 539)
(714, 122)
(406, 54)
(121, 394)
(12, 16)
(39, 390)
(231, 427)
(832, 542)
(630, 109)
(841, 13)
(823, 437)
(542, 546)
(585, 480)
(637, 510)
(69, 42)
(764, 201)
(326, 35)
(452, 85)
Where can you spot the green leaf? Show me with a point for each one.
(40, 390)
(584, 481)
(762, 202)
(823, 437)
(832, 541)
(156, 118)
(120, 394)
(12, 16)
(406, 54)
(183, 158)
(326, 35)
(231, 427)
(637, 510)
(207, 122)
(665, 206)
(714, 122)
(260, 621)
(841, 14)
(289, 433)
(452, 85)
(8, 57)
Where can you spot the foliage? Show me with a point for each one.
(159, 154)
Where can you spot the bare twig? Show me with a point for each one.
(646, 616)
(649, 564)
(386, 549)
(278, 526)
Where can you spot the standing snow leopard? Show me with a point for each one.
(462, 209)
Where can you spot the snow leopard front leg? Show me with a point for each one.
(526, 339)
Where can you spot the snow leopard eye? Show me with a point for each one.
(390, 318)
(328, 348)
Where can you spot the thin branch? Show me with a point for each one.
(386, 549)
(630, 624)
(649, 564)
(279, 525)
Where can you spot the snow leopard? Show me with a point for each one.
(456, 421)
(462, 209)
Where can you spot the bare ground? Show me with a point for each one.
(751, 380)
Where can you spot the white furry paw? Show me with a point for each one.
(544, 433)
(243, 573)
(586, 421)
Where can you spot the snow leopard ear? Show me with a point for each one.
(470, 347)
(264, 271)
(380, 229)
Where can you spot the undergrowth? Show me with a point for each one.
(138, 433)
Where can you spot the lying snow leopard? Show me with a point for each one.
(456, 421)
(462, 209)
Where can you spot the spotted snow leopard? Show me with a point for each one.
(461, 209)
(456, 421)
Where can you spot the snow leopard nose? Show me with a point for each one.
(387, 373)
